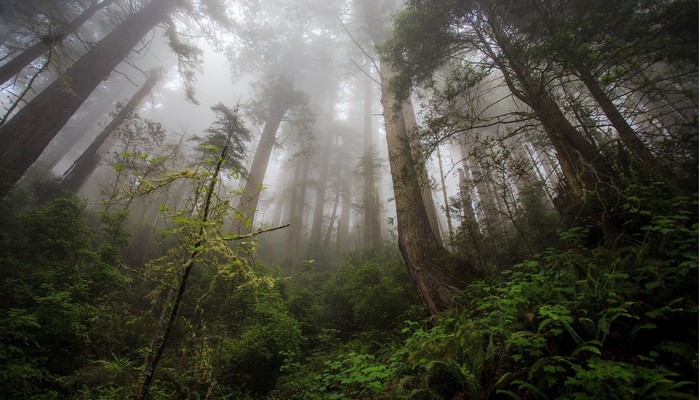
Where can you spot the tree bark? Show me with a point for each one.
(410, 126)
(82, 168)
(17, 64)
(321, 187)
(26, 135)
(627, 134)
(422, 251)
(371, 224)
(251, 194)
(296, 217)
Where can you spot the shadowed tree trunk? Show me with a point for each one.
(26, 135)
(82, 168)
(17, 64)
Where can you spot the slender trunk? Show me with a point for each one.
(26, 135)
(192, 257)
(343, 239)
(627, 134)
(334, 213)
(82, 168)
(422, 251)
(371, 223)
(296, 219)
(320, 203)
(17, 64)
(444, 196)
(579, 159)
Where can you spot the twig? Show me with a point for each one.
(238, 237)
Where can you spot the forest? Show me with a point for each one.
(349, 199)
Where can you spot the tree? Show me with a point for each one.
(282, 96)
(423, 252)
(200, 232)
(25, 136)
(17, 64)
(82, 167)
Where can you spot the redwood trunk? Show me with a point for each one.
(627, 134)
(258, 168)
(17, 64)
(26, 135)
(371, 224)
(83, 167)
(422, 251)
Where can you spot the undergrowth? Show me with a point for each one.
(617, 322)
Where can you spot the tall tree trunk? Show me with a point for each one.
(26, 135)
(82, 168)
(422, 251)
(371, 224)
(578, 158)
(17, 64)
(78, 127)
(251, 194)
(627, 134)
(343, 242)
(296, 218)
(321, 187)
(409, 120)
(444, 195)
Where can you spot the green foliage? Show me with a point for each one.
(579, 323)
(55, 280)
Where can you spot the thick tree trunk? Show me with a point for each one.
(17, 64)
(422, 251)
(261, 159)
(410, 126)
(26, 135)
(82, 168)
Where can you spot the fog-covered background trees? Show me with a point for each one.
(348, 199)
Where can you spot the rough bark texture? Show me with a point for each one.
(83, 167)
(409, 119)
(251, 195)
(17, 64)
(422, 251)
(26, 135)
